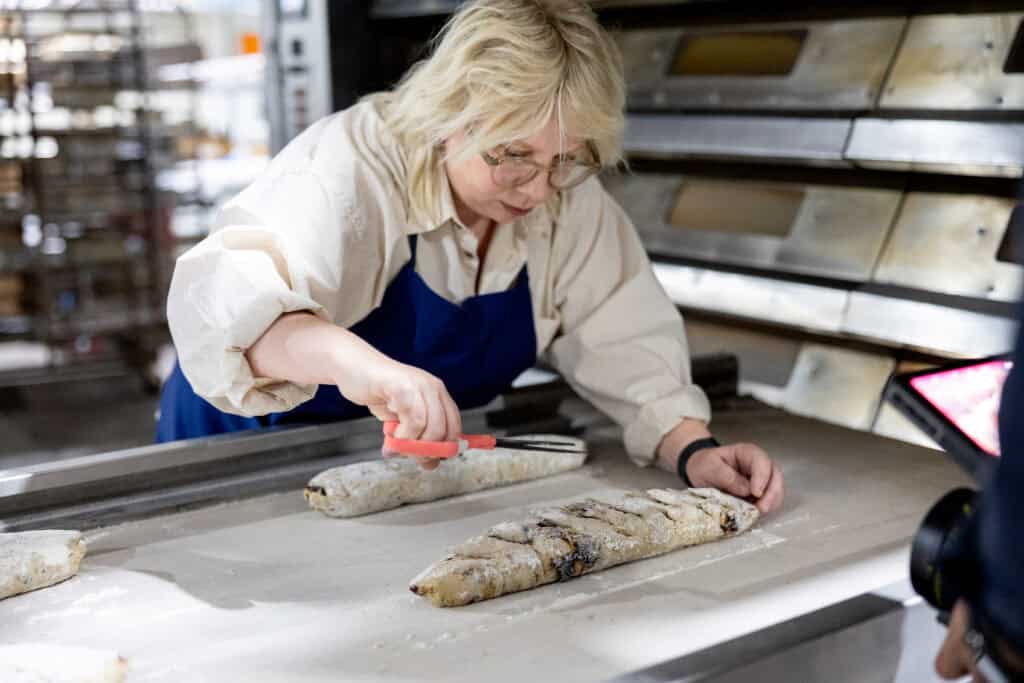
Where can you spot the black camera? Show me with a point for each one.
(940, 570)
(931, 573)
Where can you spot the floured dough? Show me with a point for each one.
(372, 486)
(556, 544)
(40, 663)
(37, 559)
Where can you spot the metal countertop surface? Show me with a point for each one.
(264, 589)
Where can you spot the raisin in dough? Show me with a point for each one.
(43, 663)
(556, 544)
(386, 483)
(36, 559)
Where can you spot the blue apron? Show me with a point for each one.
(476, 348)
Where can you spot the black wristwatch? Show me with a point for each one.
(687, 453)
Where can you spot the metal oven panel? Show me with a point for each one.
(893, 424)
(884, 320)
(837, 385)
(821, 230)
(929, 327)
(827, 383)
(791, 304)
(749, 138)
(836, 65)
(958, 62)
(950, 243)
(960, 147)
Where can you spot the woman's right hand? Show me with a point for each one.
(417, 399)
(299, 347)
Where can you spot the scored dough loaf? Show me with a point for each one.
(556, 544)
(383, 484)
(36, 559)
(45, 663)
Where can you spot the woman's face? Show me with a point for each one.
(478, 200)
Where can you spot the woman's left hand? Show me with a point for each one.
(742, 470)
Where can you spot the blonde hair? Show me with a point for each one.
(500, 70)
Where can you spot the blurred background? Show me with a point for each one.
(123, 126)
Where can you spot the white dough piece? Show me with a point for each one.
(376, 485)
(42, 663)
(36, 559)
(557, 544)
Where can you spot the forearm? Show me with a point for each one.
(304, 349)
(687, 431)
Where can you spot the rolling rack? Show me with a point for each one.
(85, 239)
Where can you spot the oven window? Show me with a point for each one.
(768, 209)
(750, 53)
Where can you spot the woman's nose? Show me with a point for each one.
(537, 189)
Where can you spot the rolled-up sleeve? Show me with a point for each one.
(622, 344)
(224, 295)
(307, 235)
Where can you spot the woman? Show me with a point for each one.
(410, 256)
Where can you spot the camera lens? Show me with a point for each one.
(940, 531)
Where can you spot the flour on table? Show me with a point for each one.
(43, 663)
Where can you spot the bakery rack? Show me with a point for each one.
(85, 127)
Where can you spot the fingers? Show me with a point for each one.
(774, 493)
(453, 418)
(428, 463)
(411, 410)
(424, 409)
(753, 462)
(717, 471)
(381, 412)
(742, 470)
(952, 660)
(435, 427)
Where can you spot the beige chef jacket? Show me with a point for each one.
(325, 229)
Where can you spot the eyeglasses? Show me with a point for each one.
(509, 170)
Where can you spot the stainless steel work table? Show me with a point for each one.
(264, 589)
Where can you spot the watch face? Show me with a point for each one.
(969, 398)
